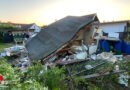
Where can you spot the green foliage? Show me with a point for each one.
(79, 79)
(51, 78)
(109, 82)
(4, 26)
(124, 64)
(10, 74)
(93, 87)
(37, 78)
(54, 78)
(33, 79)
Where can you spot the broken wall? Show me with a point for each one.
(86, 34)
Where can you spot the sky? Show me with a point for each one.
(43, 12)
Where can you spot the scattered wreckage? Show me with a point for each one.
(17, 56)
(59, 38)
(71, 42)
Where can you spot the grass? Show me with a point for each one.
(5, 45)
(129, 29)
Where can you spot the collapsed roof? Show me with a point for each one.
(56, 35)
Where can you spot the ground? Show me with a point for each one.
(5, 45)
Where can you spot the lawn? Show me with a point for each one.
(5, 45)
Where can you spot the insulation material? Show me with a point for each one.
(88, 67)
(78, 49)
(105, 55)
(123, 79)
(81, 55)
(92, 49)
(93, 57)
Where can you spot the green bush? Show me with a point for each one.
(7, 26)
(33, 79)
(1, 37)
(52, 78)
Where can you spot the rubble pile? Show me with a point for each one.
(14, 50)
(80, 63)
(72, 42)
(17, 56)
(71, 53)
(79, 44)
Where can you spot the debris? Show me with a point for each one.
(120, 57)
(123, 79)
(127, 57)
(81, 55)
(70, 62)
(70, 46)
(107, 56)
(88, 67)
(117, 67)
(92, 49)
(113, 59)
(53, 58)
(94, 57)
(106, 73)
(104, 56)
(8, 53)
(76, 49)
(3, 54)
(14, 50)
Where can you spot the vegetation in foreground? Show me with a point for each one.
(37, 78)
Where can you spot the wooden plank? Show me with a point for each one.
(94, 34)
(106, 73)
(89, 69)
(71, 62)
(66, 49)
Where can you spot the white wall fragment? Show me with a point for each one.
(92, 49)
(123, 79)
(81, 55)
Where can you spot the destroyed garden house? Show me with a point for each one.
(71, 42)
(61, 36)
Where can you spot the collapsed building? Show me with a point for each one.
(69, 37)
(71, 42)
